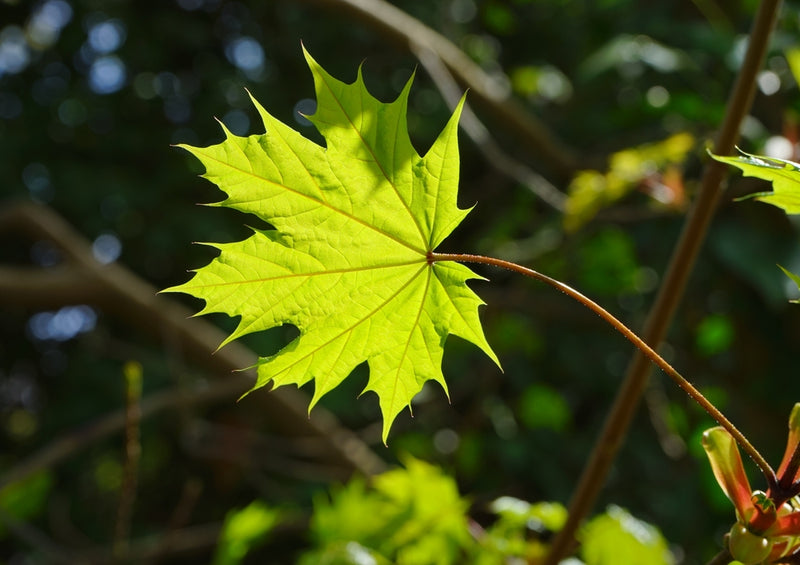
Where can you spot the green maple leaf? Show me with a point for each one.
(784, 176)
(349, 261)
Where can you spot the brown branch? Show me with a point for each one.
(722, 558)
(47, 288)
(120, 292)
(190, 494)
(672, 289)
(492, 94)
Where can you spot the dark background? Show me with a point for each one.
(94, 92)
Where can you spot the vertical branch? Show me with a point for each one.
(672, 289)
(133, 449)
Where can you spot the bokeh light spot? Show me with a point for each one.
(237, 121)
(657, 96)
(779, 147)
(245, 53)
(47, 22)
(769, 82)
(106, 37)
(14, 52)
(446, 441)
(106, 248)
(63, 324)
(107, 75)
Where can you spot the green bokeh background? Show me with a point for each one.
(94, 92)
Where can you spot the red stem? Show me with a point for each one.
(648, 351)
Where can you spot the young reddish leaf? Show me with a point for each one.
(348, 261)
(726, 463)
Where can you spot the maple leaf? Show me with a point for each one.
(349, 261)
(785, 178)
(784, 175)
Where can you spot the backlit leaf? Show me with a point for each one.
(348, 262)
(784, 176)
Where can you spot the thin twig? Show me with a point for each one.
(133, 450)
(631, 336)
(616, 426)
(190, 494)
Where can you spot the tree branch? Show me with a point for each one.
(672, 289)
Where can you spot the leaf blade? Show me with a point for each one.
(784, 176)
(348, 261)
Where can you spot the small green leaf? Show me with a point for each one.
(348, 261)
(784, 176)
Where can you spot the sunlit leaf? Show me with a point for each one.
(348, 261)
(410, 516)
(784, 176)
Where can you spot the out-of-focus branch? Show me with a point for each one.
(490, 92)
(118, 291)
(495, 156)
(43, 544)
(71, 442)
(673, 286)
(132, 374)
(47, 288)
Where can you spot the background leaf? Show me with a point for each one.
(784, 176)
(618, 537)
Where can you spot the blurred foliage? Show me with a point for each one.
(650, 167)
(618, 537)
(26, 498)
(415, 516)
(93, 92)
(243, 529)
(410, 516)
